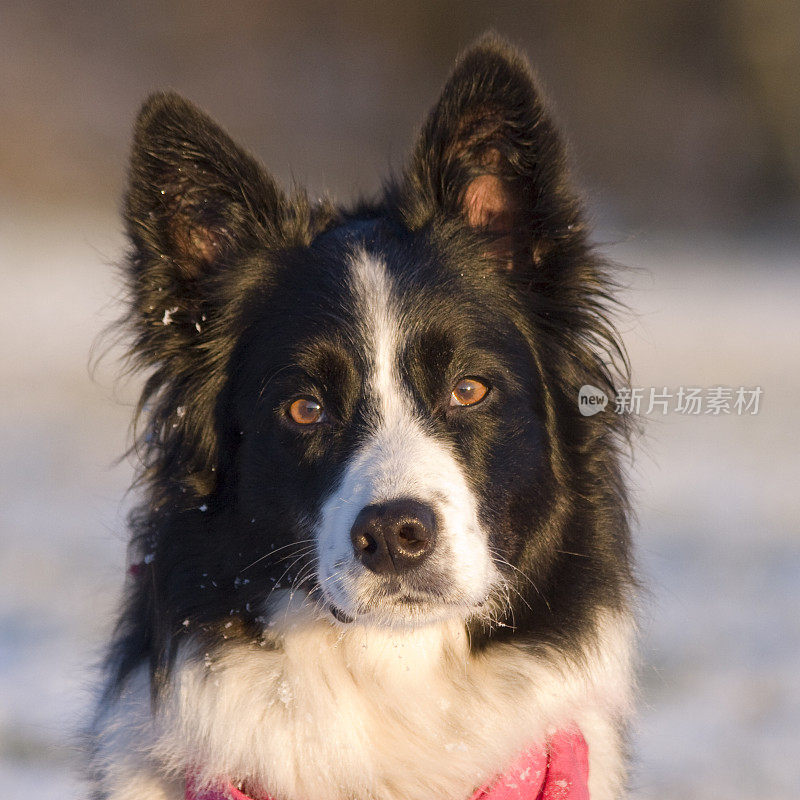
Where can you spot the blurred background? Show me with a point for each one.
(684, 125)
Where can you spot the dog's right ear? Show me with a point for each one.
(193, 197)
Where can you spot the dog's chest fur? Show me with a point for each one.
(324, 712)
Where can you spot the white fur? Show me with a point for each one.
(323, 712)
(400, 458)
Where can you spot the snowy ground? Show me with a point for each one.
(717, 498)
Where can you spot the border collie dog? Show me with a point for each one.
(381, 554)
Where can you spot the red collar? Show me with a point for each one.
(558, 770)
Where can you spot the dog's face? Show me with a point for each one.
(375, 406)
(388, 398)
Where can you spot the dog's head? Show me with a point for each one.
(376, 406)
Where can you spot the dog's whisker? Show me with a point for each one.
(271, 553)
(524, 577)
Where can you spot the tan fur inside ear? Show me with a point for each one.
(197, 245)
(488, 204)
(195, 241)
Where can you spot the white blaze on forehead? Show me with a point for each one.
(379, 320)
(399, 458)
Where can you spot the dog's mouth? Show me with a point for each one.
(403, 610)
(411, 599)
(339, 615)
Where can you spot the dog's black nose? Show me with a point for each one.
(393, 537)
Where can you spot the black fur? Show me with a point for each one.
(237, 305)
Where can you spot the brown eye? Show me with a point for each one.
(468, 392)
(305, 411)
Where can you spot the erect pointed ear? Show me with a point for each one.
(490, 155)
(196, 207)
(193, 196)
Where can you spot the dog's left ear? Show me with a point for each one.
(490, 155)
